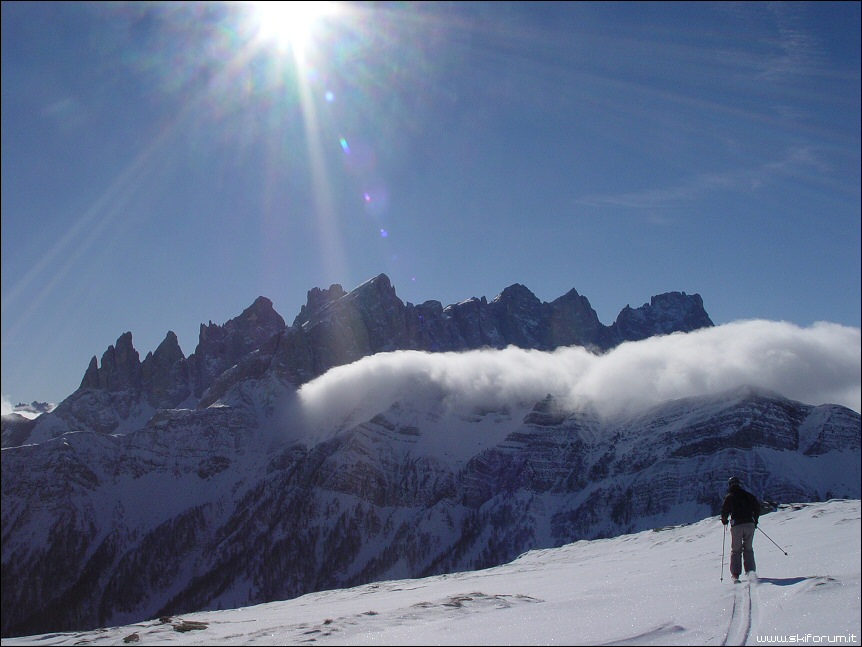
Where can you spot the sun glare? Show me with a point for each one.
(290, 24)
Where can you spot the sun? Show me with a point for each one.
(290, 24)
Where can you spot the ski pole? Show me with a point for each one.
(723, 539)
(770, 539)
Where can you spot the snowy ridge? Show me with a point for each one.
(657, 587)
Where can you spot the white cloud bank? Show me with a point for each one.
(815, 365)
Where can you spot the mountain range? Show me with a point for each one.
(334, 328)
(176, 483)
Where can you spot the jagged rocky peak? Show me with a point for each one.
(168, 352)
(260, 318)
(519, 316)
(517, 293)
(366, 296)
(165, 374)
(467, 305)
(317, 300)
(259, 322)
(344, 326)
(673, 307)
(378, 289)
(572, 320)
(220, 347)
(577, 304)
(165, 356)
(369, 319)
(120, 369)
(262, 313)
(374, 301)
(518, 299)
(91, 375)
(665, 313)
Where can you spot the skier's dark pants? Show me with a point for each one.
(741, 538)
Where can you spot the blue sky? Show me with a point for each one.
(165, 164)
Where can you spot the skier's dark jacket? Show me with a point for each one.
(741, 506)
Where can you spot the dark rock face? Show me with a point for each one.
(519, 317)
(572, 321)
(317, 300)
(220, 347)
(165, 374)
(474, 324)
(429, 326)
(345, 327)
(665, 313)
(368, 320)
(120, 371)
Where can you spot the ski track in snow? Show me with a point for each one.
(755, 607)
(739, 628)
(652, 636)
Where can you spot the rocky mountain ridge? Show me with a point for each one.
(336, 328)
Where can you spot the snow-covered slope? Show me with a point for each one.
(231, 505)
(663, 586)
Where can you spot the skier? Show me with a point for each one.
(743, 508)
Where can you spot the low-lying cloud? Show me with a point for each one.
(815, 365)
(25, 411)
(6, 404)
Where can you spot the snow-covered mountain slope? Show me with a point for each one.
(244, 503)
(663, 586)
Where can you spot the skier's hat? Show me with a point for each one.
(733, 480)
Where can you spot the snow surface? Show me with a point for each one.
(658, 587)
